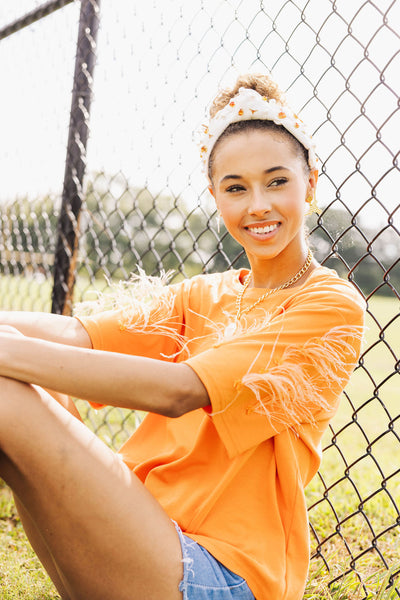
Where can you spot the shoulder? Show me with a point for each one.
(325, 290)
(328, 281)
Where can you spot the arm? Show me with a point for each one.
(47, 326)
(133, 382)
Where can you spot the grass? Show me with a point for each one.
(354, 500)
(21, 574)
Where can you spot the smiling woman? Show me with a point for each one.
(262, 171)
(240, 373)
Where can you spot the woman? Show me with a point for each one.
(240, 373)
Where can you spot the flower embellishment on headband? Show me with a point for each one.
(246, 106)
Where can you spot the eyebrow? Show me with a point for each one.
(266, 172)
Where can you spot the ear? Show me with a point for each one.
(211, 190)
(312, 180)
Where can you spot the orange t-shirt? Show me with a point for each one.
(233, 475)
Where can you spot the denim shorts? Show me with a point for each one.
(205, 578)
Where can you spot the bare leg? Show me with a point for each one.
(35, 538)
(39, 546)
(108, 536)
(66, 402)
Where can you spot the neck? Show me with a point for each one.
(275, 272)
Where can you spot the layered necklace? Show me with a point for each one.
(239, 299)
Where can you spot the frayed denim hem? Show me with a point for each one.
(205, 578)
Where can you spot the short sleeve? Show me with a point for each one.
(288, 372)
(152, 328)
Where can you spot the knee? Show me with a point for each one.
(12, 407)
(23, 399)
(10, 386)
(12, 394)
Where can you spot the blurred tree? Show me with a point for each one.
(369, 256)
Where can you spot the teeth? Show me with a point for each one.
(266, 229)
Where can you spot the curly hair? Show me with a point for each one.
(263, 84)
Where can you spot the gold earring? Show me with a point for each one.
(313, 208)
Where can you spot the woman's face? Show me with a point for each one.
(260, 187)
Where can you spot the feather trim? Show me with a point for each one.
(145, 305)
(139, 289)
(231, 329)
(291, 390)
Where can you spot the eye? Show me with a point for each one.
(235, 188)
(278, 182)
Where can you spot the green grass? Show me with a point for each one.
(25, 292)
(21, 574)
(359, 449)
(33, 292)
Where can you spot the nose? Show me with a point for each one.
(259, 204)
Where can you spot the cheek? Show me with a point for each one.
(297, 205)
(231, 217)
(224, 206)
(297, 200)
(231, 213)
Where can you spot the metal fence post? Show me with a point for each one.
(67, 230)
(33, 17)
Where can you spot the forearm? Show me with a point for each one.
(104, 377)
(47, 326)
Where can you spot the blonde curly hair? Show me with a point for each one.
(263, 84)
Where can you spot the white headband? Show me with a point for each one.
(246, 106)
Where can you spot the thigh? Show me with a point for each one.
(109, 537)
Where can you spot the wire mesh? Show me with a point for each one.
(34, 105)
(146, 204)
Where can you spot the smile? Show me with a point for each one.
(263, 230)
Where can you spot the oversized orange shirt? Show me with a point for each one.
(233, 475)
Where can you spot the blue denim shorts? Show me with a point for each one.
(205, 578)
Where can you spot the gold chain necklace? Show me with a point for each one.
(239, 297)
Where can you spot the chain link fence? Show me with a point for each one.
(132, 195)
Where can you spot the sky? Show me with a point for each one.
(159, 64)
